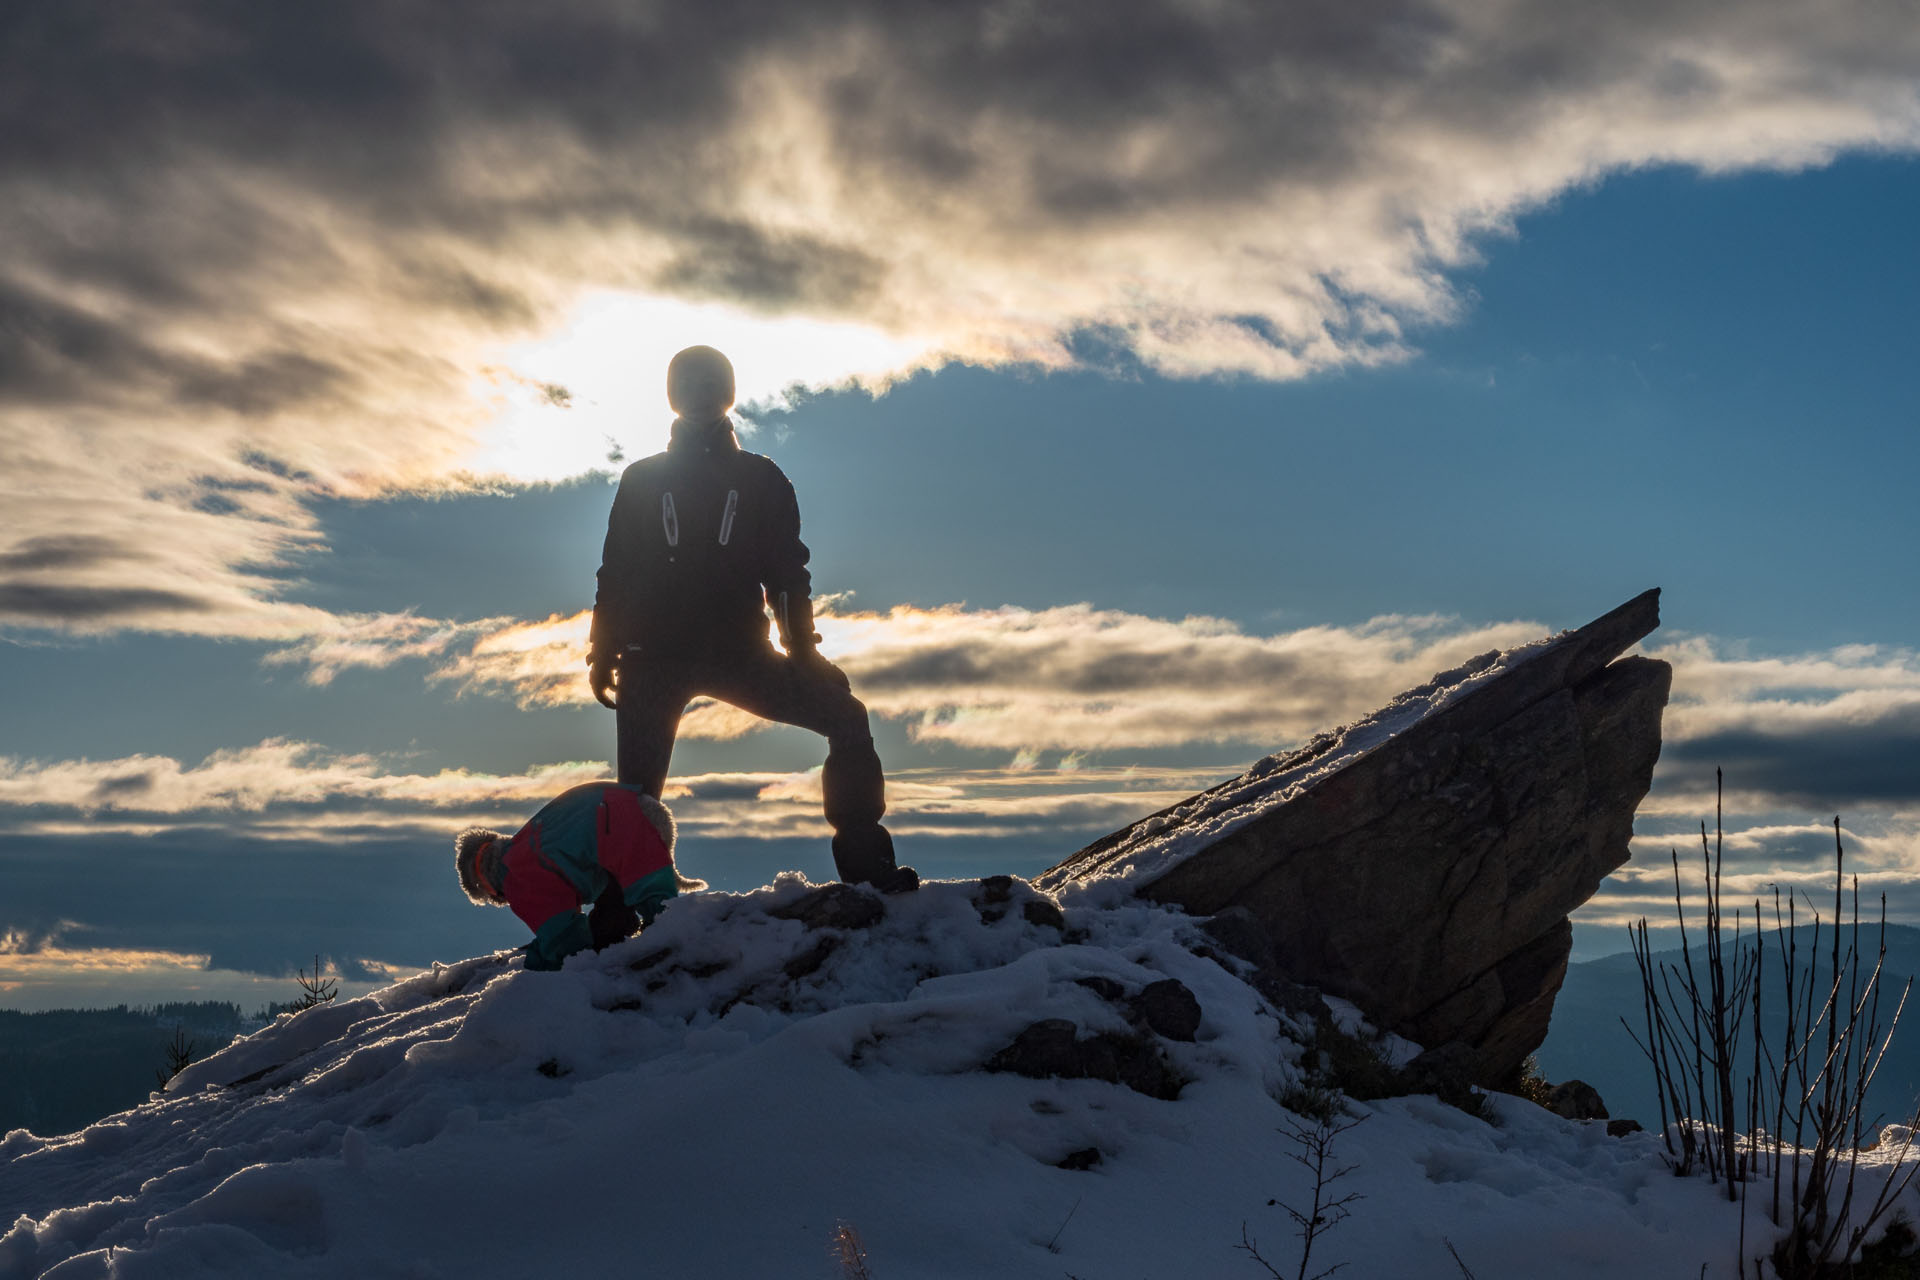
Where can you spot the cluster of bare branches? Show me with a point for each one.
(1796, 1116)
(1326, 1210)
(848, 1252)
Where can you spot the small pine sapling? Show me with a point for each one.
(315, 990)
(179, 1054)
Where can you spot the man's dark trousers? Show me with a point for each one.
(810, 693)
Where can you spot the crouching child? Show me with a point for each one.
(601, 843)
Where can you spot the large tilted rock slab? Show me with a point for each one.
(1423, 863)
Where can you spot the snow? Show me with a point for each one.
(680, 1106)
(1151, 848)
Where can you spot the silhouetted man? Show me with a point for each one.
(702, 539)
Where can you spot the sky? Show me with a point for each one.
(1162, 384)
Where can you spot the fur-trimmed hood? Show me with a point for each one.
(662, 819)
(660, 816)
(468, 848)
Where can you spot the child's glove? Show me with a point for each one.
(611, 920)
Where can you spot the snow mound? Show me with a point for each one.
(715, 1097)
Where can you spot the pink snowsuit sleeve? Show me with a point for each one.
(535, 891)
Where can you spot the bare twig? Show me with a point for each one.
(848, 1253)
(1053, 1245)
(1813, 1089)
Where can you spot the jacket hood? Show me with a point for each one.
(470, 847)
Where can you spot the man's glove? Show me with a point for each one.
(793, 615)
(602, 678)
(794, 618)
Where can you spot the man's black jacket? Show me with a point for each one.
(701, 537)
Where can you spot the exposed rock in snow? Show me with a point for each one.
(1422, 862)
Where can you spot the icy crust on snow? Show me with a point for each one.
(713, 1097)
(1156, 845)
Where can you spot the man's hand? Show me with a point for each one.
(602, 678)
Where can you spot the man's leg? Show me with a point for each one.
(647, 711)
(814, 696)
(646, 720)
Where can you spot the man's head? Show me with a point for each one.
(700, 384)
(476, 856)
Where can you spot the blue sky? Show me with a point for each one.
(1162, 457)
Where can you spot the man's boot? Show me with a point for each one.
(864, 855)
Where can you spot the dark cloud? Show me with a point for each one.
(124, 787)
(732, 259)
(725, 788)
(26, 938)
(51, 603)
(80, 551)
(452, 287)
(100, 74)
(301, 231)
(52, 351)
(1028, 117)
(1826, 769)
(262, 385)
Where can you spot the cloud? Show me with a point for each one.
(298, 784)
(250, 255)
(1800, 738)
(1072, 678)
(281, 790)
(537, 663)
(374, 641)
(1815, 732)
(18, 968)
(1764, 853)
(1821, 729)
(1824, 731)
(1083, 689)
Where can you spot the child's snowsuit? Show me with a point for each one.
(584, 840)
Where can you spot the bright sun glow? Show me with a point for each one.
(594, 393)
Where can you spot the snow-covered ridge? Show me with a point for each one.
(713, 1097)
(1153, 846)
